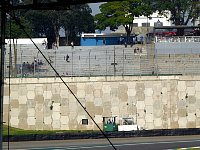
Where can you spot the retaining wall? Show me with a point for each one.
(163, 102)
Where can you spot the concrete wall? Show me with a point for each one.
(177, 48)
(163, 102)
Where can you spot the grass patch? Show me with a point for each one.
(16, 131)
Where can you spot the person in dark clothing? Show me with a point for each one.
(67, 58)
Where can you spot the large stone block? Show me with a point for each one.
(48, 120)
(39, 99)
(140, 105)
(98, 119)
(47, 94)
(97, 85)
(81, 93)
(106, 88)
(89, 88)
(14, 103)
(191, 108)
(190, 83)
(181, 86)
(97, 102)
(148, 100)
(64, 120)
(64, 127)
(56, 107)
(174, 125)
(30, 87)
(31, 103)
(140, 96)
(81, 86)
(56, 125)
(191, 124)
(190, 91)
(6, 91)
(64, 110)
(148, 92)
(31, 121)
(131, 92)
(149, 118)
(114, 92)
(55, 88)
(47, 87)
(39, 116)
(158, 122)
(182, 112)
(14, 95)
(14, 121)
(139, 87)
(64, 93)
(182, 121)
(22, 90)
(149, 126)
(55, 115)
(198, 122)
(89, 97)
(182, 95)
(31, 112)
(39, 125)
(39, 90)
(197, 85)
(14, 112)
(30, 94)
(22, 99)
(191, 117)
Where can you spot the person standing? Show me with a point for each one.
(72, 44)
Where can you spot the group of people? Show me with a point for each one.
(135, 40)
(29, 67)
(54, 45)
(137, 50)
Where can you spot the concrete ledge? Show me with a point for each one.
(97, 135)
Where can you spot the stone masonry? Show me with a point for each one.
(163, 102)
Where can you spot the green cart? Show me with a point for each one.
(109, 124)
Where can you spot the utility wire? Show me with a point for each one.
(23, 28)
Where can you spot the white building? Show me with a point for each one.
(152, 20)
(144, 24)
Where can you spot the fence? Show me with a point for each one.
(99, 61)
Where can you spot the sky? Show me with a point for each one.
(95, 8)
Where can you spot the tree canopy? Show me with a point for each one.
(47, 23)
(181, 11)
(114, 14)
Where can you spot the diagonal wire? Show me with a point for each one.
(23, 28)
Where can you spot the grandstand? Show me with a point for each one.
(99, 61)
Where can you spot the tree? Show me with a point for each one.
(76, 21)
(181, 11)
(114, 14)
(48, 22)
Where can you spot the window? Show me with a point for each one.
(85, 121)
(135, 24)
(145, 24)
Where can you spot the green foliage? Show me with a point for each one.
(77, 20)
(182, 11)
(47, 23)
(17, 131)
(13, 30)
(114, 14)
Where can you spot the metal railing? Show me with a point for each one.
(177, 39)
(102, 61)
